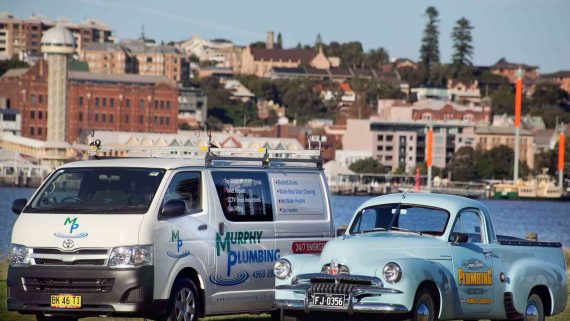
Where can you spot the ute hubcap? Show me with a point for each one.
(185, 305)
(422, 312)
(531, 312)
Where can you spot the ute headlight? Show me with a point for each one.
(392, 272)
(282, 269)
(20, 255)
(130, 256)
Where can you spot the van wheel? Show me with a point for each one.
(183, 303)
(424, 307)
(41, 317)
(534, 308)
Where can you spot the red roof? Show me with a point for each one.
(302, 55)
(345, 87)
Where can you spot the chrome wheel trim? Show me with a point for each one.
(422, 311)
(532, 313)
(185, 305)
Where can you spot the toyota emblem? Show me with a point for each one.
(68, 243)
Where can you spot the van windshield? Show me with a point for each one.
(101, 190)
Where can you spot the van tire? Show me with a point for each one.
(184, 299)
(41, 317)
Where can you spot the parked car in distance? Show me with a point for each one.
(166, 238)
(424, 257)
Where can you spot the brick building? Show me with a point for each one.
(260, 61)
(509, 70)
(21, 37)
(129, 103)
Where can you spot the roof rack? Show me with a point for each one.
(219, 157)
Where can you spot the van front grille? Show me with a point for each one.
(65, 285)
(50, 256)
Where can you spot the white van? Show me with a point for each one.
(165, 238)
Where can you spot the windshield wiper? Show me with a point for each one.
(405, 230)
(376, 229)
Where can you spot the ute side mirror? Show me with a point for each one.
(173, 208)
(341, 230)
(18, 205)
(459, 238)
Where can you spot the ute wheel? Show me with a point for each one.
(534, 308)
(424, 306)
(41, 317)
(183, 304)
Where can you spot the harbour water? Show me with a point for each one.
(549, 219)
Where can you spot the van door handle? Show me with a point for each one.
(222, 228)
(203, 227)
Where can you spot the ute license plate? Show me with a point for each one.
(328, 300)
(65, 301)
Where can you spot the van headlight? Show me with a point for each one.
(20, 255)
(282, 269)
(392, 272)
(130, 256)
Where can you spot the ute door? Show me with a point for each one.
(473, 265)
(245, 242)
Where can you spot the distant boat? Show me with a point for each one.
(540, 187)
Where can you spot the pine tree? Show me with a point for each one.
(279, 41)
(318, 41)
(429, 51)
(462, 43)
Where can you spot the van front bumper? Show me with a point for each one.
(104, 291)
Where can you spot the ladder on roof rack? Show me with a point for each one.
(218, 156)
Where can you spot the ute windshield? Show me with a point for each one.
(100, 190)
(401, 218)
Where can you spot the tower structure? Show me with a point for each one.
(57, 44)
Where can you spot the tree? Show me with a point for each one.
(376, 58)
(497, 163)
(462, 43)
(462, 165)
(279, 44)
(429, 51)
(257, 44)
(12, 63)
(368, 166)
(318, 41)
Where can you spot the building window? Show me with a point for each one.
(161, 120)
(167, 120)
(32, 114)
(389, 148)
(141, 103)
(96, 101)
(96, 118)
(155, 120)
(39, 131)
(389, 138)
(388, 158)
(40, 100)
(162, 104)
(380, 147)
(168, 104)
(104, 102)
(128, 103)
(33, 99)
(141, 119)
(80, 101)
(380, 138)
(104, 118)
(111, 118)
(32, 132)
(127, 119)
(112, 102)
(80, 117)
(40, 114)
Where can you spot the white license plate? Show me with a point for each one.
(329, 300)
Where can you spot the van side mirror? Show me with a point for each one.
(173, 208)
(459, 238)
(341, 230)
(18, 205)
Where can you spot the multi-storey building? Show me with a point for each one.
(136, 57)
(221, 51)
(131, 103)
(21, 37)
(489, 137)
(260, 61)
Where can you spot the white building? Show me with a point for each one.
(10, 121)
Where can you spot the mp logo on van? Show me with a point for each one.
(71, 229)
(179, 253)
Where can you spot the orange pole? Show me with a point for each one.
(429, 145)
(561, 152)
(518, 102)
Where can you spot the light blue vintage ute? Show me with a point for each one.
(423, 257)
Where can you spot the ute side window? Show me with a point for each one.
(186, 186)
(468, 223)
(244, 196)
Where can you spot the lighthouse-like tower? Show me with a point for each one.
(58, 44)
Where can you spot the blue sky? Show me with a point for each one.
(529, 31)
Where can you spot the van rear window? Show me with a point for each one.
(244, 196)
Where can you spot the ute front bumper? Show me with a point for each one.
(362, 294)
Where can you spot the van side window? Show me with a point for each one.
(244, 196)
(186, 186)
(468, 223)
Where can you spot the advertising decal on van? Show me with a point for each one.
(175, 237)
(73, 225)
